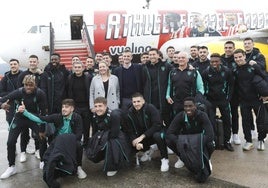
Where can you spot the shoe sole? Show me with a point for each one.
(251, 148)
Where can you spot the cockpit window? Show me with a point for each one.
(34, 29)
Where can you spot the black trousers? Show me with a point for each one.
(15, 129)
(86, 115)
(247, 117)
(225, 111)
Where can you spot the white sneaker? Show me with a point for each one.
(37, 154)
(254, 134)
(248, 146)
(147, 156)
(9, 172)
(261, 146)
(236, 139)
(23, 157)
(179, 163)
(111, 173)
(81, 173)
(164, 165)
(41, 164)
(210, 164)
(170, 152)
(154, 147)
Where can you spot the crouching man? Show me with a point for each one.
(108, 142)
(145, 128)
(190, 136)
(66, 122)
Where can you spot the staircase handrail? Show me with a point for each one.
(51, 39)
(86, 39)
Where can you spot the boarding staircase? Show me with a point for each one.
(69, 48)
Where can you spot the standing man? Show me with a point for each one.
(218, 82)
(253, 54)
(249, 98)
(203, 62)
(35, 101)
(130, 79)
(24, 139)
(78, 90)
(54, 82)
(90, 66)
(170, 53)
(183, 82)
(193, 54)
(227, 60)
(145, 129)
(155, 80)
(8, 84)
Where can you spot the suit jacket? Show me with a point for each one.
(97, 90)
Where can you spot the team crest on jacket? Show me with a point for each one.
(189, 73)
(163, 68)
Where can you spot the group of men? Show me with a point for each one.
(159, 101)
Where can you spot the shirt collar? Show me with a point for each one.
(68, 118)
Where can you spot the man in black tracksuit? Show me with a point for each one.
(78, 90)
(54, 81)
(218, 84)
(145, 128)
(188, 122)
(227, 60)
(66, 122)
(254, 55)
(248, 96)
(183, 82)
(155, 80)
(35, 100)
(203, 62)
(115, 149)
(32, 70)
(8, 84)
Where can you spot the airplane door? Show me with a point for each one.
(76, 26)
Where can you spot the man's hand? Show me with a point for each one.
(170, 101)
(138, 140)
(252, 62)
(139, 146)
(21, 108)
(5, 106)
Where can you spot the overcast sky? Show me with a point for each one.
(18, 15)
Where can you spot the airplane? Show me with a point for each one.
(113, 31)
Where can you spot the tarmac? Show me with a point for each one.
(230, 169)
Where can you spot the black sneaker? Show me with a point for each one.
(228, 146)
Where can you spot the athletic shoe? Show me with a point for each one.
(228, 146)
(164, 165)
(248, 146)
(147, 156)
(81, 173)
(23, 157)
(261, 146)
(236, 139)
(179, 163)
(9, 172)
(41, 164)
(254, 134)
(37, 154)
(170, 152)
(111, 173)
